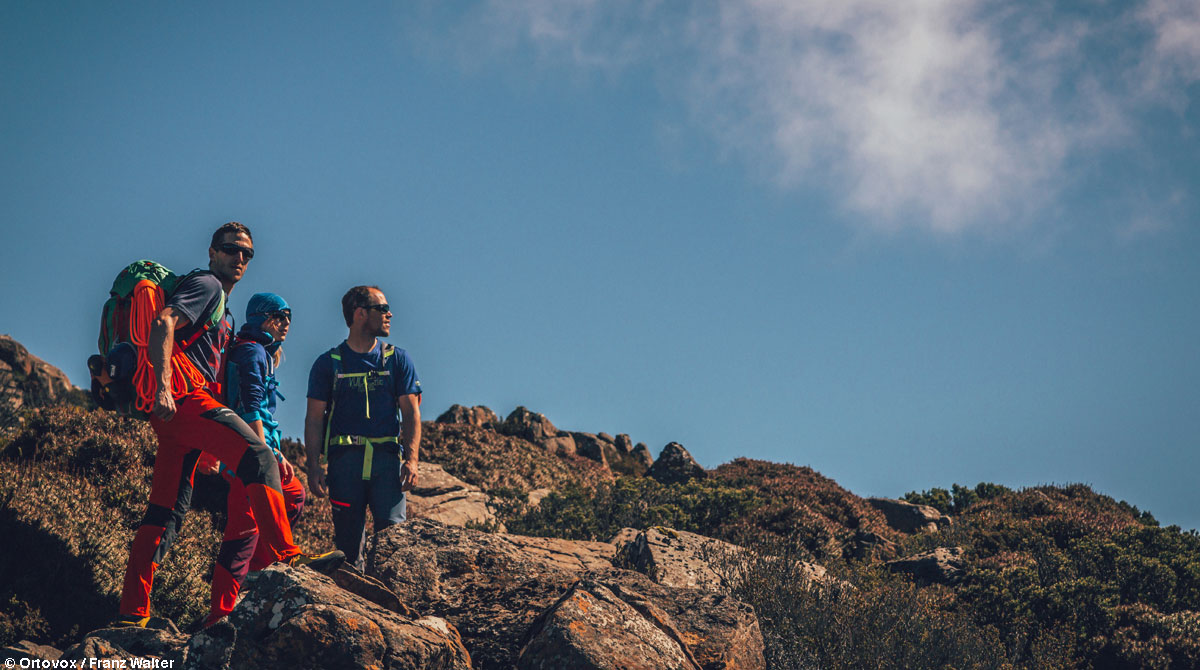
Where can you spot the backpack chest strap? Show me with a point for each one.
(335, 356)
(368, 444)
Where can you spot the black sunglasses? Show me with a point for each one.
(382, 308)
(285, 315)
(233, 249)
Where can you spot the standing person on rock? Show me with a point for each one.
(189, 420)
(354, 392)
(251, 391)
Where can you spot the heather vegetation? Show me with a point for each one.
(1101, 577)
(580, 513)
(1054, 577)
(73, 485)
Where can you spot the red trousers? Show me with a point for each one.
(202, 424)
(241, 552)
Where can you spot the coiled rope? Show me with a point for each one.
(145, 303)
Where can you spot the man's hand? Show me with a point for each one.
(164, 404)
(408, 475)
(314, 429)
(316, 479)
(286, 470)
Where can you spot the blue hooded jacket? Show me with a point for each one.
(251, 388)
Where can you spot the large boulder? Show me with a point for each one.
(536, 428)
(478, 416)
(907, 517)
(617, 454)
(944, 565)
(686, 560)
(297, 618)
(591, 628)
(490, 586)
(442, 497)
(676, 558)
(288, 618)
(160, 642)
(620, 619)
(495, 587)
(527, 425)
(642, 456)
(593, 447)
(675, 465)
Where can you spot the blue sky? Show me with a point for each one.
(907, 245)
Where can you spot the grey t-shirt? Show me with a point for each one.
(196, 298)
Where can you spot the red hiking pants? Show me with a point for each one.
(241, 551)
(202, 424)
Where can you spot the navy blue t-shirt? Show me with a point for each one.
(196, 298)
(358, 397)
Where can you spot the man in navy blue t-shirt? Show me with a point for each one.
(354, 392)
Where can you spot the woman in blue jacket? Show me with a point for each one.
(251, 391)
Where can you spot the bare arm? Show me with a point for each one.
(160, 350)
(410, 438)
(314, 441)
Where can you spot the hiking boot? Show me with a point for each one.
(326, 563)
(130, 621)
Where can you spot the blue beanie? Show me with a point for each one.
(262, 304)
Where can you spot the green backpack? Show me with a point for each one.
(122, 377)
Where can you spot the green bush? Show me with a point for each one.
(1120, 588)
(958, 499)
(581, 513)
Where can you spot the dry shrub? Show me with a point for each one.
(490, 460)
(800, 499)
(860, 618)
(73, 488)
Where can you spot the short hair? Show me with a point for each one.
(231, 227)
(355, 298)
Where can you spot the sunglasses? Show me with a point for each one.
(285, 315)
(382, 308)
(234, 249)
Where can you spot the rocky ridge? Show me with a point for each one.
(452, 589)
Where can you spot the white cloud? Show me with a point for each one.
(1176, 46)
(948, 115)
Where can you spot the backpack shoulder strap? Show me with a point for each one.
(335, 356)
(214, 319)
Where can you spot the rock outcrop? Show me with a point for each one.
(162, 641)
(681, 559)
(288, 618)
(655, 627)
(944, 565)
(478, 416)
(496, 588)
(296, 618)
(907, 517)
(440, 496)
(675, 465)
(676, 558)
(527, 425)
(593, 447)
(490, 586)
(28, 381)
(30, 651)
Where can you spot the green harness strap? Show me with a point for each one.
(348, 440)
(369, 447)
